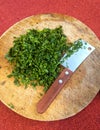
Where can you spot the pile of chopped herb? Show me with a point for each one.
(36, 55)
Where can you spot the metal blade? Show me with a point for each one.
(78, 57)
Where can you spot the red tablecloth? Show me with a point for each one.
(88, 11)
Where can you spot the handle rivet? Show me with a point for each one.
(67, 73)
(60, 81)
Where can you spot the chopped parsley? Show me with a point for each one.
(36, 55)
(11, 105)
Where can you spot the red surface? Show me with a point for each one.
(87, 11)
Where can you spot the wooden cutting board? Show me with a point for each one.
(75, 95)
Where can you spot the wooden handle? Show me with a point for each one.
(55, 88)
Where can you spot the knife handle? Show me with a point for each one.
(53, 91)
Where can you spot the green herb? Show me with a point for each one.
(11, 105)
(36, 56)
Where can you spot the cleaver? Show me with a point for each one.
(70, 65)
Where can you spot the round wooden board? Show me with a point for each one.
(75, 95)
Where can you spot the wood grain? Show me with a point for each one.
(76, 94)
